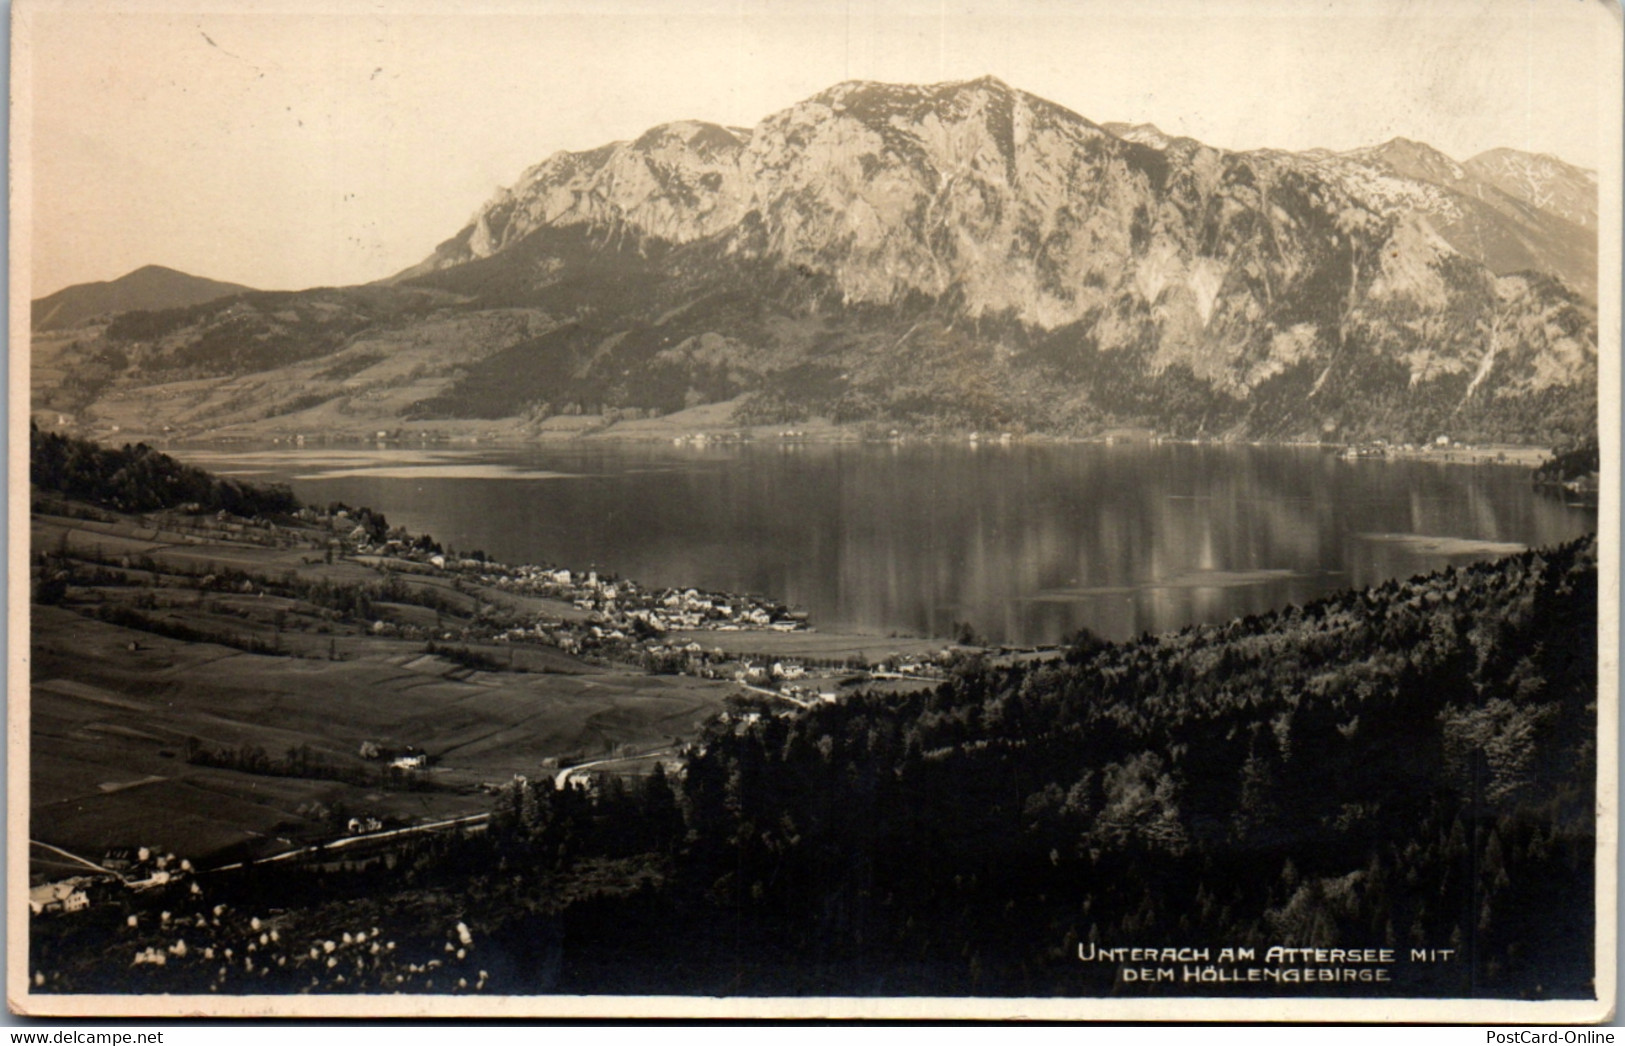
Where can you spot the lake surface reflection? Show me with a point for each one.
(1026, 543)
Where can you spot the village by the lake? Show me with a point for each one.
(1066, 513)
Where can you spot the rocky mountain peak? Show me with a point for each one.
(1147, 134)
(862, 165)
(1542, 181)
(873, 98)
(703, 140)
(1411, 159)
(894, 111)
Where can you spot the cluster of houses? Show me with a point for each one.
(143, 868)
(623, 604)
(759, 673)
(1381, 448)
(912, 666)
(410, 757)
(620, 609)
(131, 867)
(700, 439)
(808, 694)
(625, 619)
(641, 634)
(69, 895)
(619, 618)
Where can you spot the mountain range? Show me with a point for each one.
(149, 287)
(950, 256)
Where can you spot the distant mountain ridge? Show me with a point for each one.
(689, 180)
(1509, 211)
(1542, 181)
(149, 287)
(958, 255)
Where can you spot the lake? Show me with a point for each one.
(1025, 543)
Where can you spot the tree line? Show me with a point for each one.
(1410, 765)
(140, 479)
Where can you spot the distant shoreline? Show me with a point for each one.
(509, 434)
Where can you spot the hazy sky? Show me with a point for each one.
(337, 143)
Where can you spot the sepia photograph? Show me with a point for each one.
(1041, 509)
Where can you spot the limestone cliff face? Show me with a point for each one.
(993, 195)
(969, 253)
(1506, 210)
(1014, 205)
(678, 182)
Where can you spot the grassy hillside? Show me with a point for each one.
(149, 287)
(208, 660)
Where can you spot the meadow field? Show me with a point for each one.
(185, 696)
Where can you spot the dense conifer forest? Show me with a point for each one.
(1570, 462)
(140, 479)
(1408, 766)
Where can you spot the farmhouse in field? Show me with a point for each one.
(65, 896)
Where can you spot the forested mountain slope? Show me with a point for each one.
(1408, 766)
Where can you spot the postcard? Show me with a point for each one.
(1058, 510)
